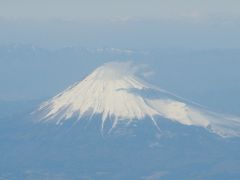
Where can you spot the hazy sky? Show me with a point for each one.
(121, 23)
(133, 24)
(123, 9)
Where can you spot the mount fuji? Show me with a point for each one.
(116, 93)
(115, 125)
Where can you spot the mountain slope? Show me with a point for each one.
(116, 93)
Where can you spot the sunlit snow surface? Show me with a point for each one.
(116, 92)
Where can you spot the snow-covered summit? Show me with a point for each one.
(105, 91)
(115, 92)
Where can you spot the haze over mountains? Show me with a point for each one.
(165, 107)
(43, 150)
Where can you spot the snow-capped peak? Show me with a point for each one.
(105, 91)
(115, 92)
